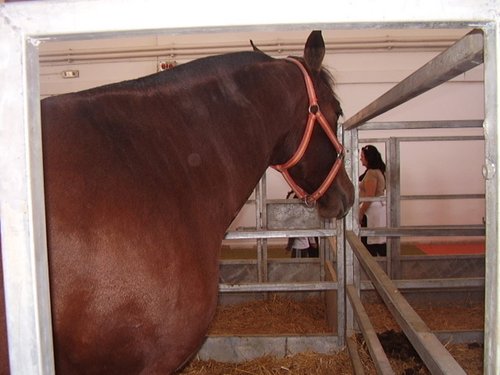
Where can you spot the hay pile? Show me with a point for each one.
(279, 315)
(470, 358)
(304, 363)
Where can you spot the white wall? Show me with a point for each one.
(363, 70)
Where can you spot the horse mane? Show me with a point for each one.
(202, 69)
(326, 75)
(178, 76)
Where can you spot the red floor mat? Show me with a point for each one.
(452, 248)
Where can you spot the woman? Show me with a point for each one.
(372, 184)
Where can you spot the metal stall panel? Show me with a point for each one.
(463, 55)
(22, 209)
(490, 172)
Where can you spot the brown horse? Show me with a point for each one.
(142, 179)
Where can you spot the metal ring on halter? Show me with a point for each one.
(314, 108)
(307, 203)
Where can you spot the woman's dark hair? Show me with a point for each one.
(373, 159)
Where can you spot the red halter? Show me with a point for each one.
(315, 115)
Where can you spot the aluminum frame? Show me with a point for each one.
(24, 25)
(428, 77)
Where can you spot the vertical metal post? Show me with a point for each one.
(322, 253)
(258, 210)
(261, 224)
(24, 245)
(393, 207)
(490, 172)
(349, 269)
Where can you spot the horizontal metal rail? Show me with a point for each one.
(451, 138)
(375, 348)
(464, 55)
(420, 284)
(424, 197)
(260, 234)
(443, 196)
(417, 231)
(433, 284)
(437, 359)
(442, 124)
(278, 287)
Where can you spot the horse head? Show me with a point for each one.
(315, 171)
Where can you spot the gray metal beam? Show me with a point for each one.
(434, 284)
(437, 359)
(255, 234)
(24, 255)
(357, 365)
(376, 350)
(442, 124)
(459, 58)
(492, 177)
(278, 287)
(415, 231)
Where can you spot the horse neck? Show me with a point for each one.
(235, 128)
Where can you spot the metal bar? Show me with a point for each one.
(350, 269)
(454, 230)
(357, 365)
(394, 206)
(426, 284)
(443, 138)
(423, 124)
(451, 138)
(243, 235)
(258, 224)
(377, 353)
(437, 359)
(444, 196)
(340, 264)
(278, 287)
(459, 58)
(24, 245)
(492, 177)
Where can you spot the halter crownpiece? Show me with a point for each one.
(314, 116)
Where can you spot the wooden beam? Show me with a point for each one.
(437, 359)
(462, 56)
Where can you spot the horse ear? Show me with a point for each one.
(255, 48)
(314, 51)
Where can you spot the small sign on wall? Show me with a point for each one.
(166, 65)
(70, 73)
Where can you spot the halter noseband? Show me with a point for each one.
(315, 115)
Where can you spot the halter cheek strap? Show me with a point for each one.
(315, 116)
